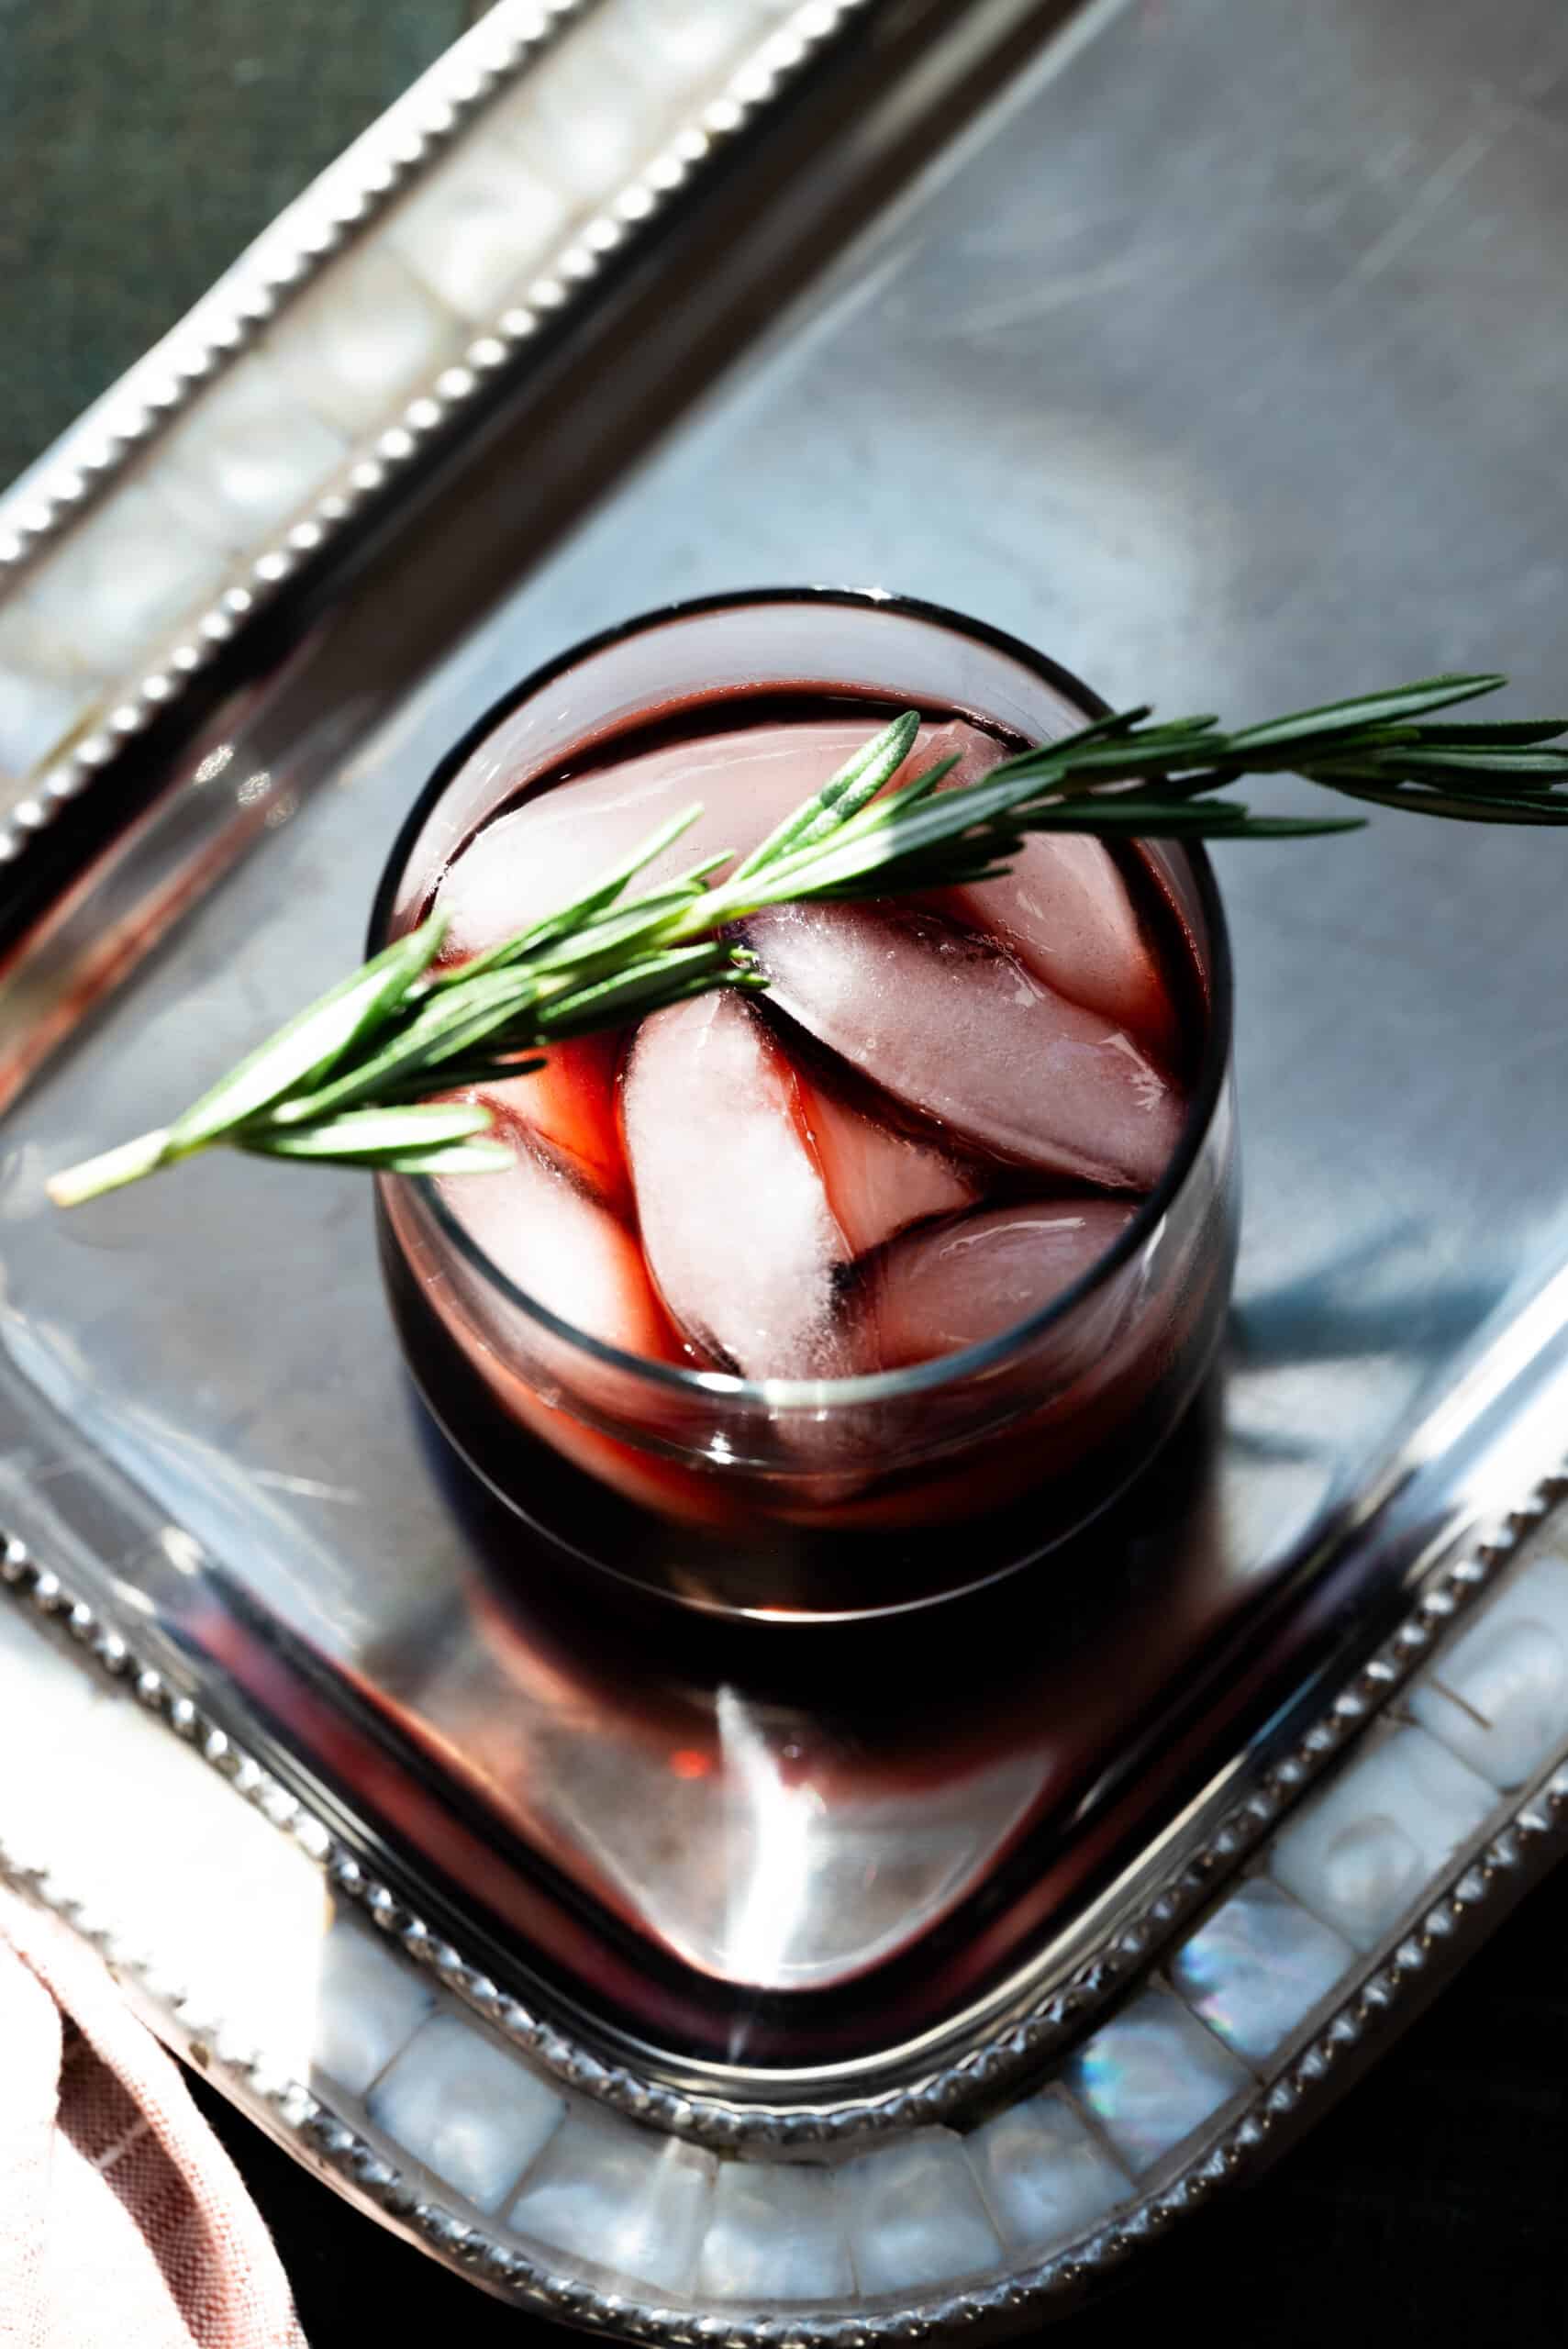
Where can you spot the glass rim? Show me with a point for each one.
(795, 1395)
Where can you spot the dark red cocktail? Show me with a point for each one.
(939, 1227)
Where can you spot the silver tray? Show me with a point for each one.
(869, 1993)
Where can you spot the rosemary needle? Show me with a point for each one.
(354, 1079)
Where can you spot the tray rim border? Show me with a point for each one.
(83, 466)
(1231, 1825)
(1383, 1988)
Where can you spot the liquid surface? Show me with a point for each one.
(939, 1116)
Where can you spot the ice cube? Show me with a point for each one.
(950, 1023)
(735, 1219)
(936, 1291)
(976, 751)
(570, 1105)
(541, 855)
(1064, 910)
(560, 1245)
(879, 1181)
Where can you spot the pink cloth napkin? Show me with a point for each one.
(123, 2222)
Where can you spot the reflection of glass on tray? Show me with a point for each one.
(940, 1220)
(790, 1831)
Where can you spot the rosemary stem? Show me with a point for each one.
(364, 1075)
(113, 1169)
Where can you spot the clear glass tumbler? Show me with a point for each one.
(810, 1497)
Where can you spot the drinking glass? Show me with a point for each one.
(810, 1499)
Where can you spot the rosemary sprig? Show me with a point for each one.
(352, 1079)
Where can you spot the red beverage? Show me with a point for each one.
(940, 1221)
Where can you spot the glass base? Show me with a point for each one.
(564, 1521)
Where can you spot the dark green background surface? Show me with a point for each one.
(143, 143)
(140, 147)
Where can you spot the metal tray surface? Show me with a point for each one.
(1169, 368)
